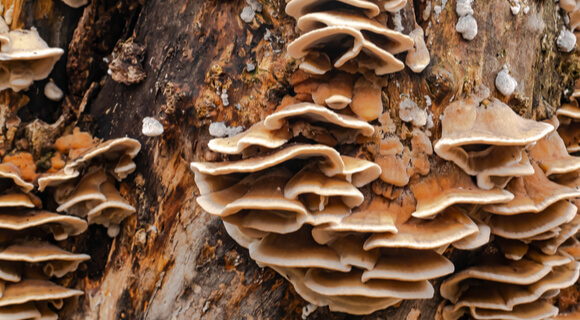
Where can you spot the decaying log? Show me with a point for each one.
(202, 63)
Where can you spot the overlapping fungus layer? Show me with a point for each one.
(529, 260)
(361, 233)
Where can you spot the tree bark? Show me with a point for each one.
(173, 261)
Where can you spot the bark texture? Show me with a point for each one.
(173, 261)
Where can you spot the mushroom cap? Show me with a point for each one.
(20, 312)
(521, 272)
(446, 185)
(331, 166)
(537, 310)
(12, 172)
(375, 215)
(352, 304)
(532, 193)
(526, 225)
(272, 221)
(371, 57)
(500, 176)
(18, 199)
(312, 181)
(298, 8)
(317, 63)
(87, 190)
(551, 154)
(391, 41)
(124, 167)
(418, 57)
(367, 102)
(467, 126)
(59, 262)
(316, 113)
(359, 172)
(35, 290)
(449, 226)
(350, 250)
(295, 250)
(61, 225)
(258, 191)
(112, 211)
(257, 135)
(512, 249)
(569, 115)
(502, 296)
(37, 251)
(335, 283)
(409, 265)
(476, 240)
(242, 236)
(568, 230)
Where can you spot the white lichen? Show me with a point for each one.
(224, 97)
(409, 111)
(151, 127)
(516, 7)
(397, 21)
(464, 8)
(52, 91)
(566, 40)
(505, 83)
(250, 67)
(247, 14)
(219, 129)
(467, 26)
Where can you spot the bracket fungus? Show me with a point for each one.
(24, 58)
(85, 186)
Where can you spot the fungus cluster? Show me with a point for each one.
(84, 187)
(28, 259)
(306, 210)
(85, 175)
(528, 259)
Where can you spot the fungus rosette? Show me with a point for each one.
(28, 259)
(84, 176)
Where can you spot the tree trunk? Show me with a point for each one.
(174, 261)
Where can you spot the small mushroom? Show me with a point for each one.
(314, 113)
(295, 250)
(551, 154)
(312, 184)
(334, 283)
(532, 194)
(35, 290)
(447, 185)
(112, 211)
(449, 226)
(483, 140)
(525, 225)
(60, 225)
